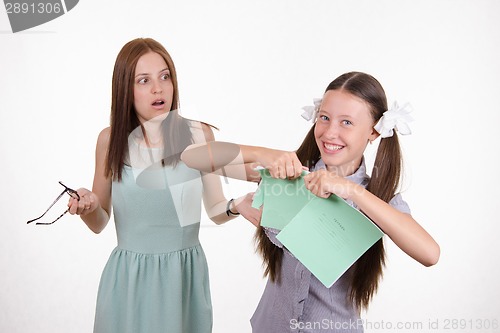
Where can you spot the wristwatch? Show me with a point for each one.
(228, 209)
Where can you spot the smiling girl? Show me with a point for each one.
(352, 113)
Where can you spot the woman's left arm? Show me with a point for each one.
(404, 231)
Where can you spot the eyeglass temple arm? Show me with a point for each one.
(59, 197)
(49, 223)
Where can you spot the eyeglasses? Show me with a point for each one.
(72, 193)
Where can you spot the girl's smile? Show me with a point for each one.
(331, 148)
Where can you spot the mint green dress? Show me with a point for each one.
(156, 279)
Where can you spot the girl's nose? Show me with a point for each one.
(332, 131)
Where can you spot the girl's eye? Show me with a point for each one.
(143, 81)
(323, 117)
(165, 76)
(346, 122)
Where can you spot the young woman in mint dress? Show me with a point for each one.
(156, 279)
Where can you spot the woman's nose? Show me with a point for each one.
(157, 89)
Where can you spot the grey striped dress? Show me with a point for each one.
(300, 302)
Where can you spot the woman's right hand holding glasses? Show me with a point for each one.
(87, 204)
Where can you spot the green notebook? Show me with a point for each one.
(326, 235)
(284, 199)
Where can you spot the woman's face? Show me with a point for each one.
(343, 129)
(153, 88)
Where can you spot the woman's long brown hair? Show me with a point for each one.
(176, 132)
(383, 183)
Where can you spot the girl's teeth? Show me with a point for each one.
(332, 147)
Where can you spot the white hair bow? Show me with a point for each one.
(396, 118)
(310, 111)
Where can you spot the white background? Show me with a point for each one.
(248, 67)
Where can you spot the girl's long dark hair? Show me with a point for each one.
(383, 183)
(176, 131)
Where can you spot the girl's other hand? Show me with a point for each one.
(87, 204)
(323, 183)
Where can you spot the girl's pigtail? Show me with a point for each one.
(386, 172)
(384, 183)
(272, 255)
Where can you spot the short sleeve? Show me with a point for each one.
(398, 203)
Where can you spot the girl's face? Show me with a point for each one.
(153, 88)
(343, 129)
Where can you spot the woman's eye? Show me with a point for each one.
(165, 77)
(143, 81)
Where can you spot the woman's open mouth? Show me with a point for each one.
(158, 102)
